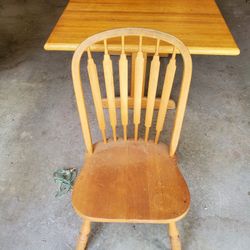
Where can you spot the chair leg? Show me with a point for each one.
(174, 236)
(84, 234)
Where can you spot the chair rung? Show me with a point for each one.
(171, 103)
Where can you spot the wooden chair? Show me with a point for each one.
(131, 180)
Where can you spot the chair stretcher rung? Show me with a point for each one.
(171, 103)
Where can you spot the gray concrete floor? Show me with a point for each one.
(40, 132)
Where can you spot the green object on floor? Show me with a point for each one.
(65, 178)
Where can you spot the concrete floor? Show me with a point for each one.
(40, 132)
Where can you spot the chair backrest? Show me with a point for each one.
(101, 42)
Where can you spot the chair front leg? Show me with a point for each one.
(174, 236)
(84, 235)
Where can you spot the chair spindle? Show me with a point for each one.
(139, 65)
(168, 83)
(123, 77)
(95, 88)
(152, 87)
(145, 56)
(109, 83)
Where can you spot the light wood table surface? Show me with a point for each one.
(199, 24)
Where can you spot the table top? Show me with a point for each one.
(199, 24)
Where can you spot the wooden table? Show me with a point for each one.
(199, 24)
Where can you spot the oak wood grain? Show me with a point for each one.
(128, 181)
(199, 25)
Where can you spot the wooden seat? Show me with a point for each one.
(132, 182)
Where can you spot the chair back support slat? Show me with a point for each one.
(137, 99)
(123, 79)
(167, 86)
(152, 87)
(109, 83)
(95, 88)
(139, 63)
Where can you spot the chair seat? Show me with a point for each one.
(128, 181)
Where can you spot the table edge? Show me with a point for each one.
(193, 50)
